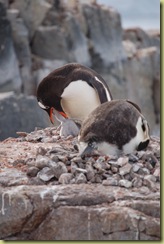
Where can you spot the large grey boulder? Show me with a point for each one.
(61, 39)
(9, 72)
(49, 42)
(141, 38)
(22, 47)
(141, 71)
(32, 12)
(79, 212)
(105, 34)
(20, 113)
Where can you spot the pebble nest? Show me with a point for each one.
(61, 164)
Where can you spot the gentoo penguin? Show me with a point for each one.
(114, 128)
(74, 91)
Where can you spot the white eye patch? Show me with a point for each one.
(42, 105)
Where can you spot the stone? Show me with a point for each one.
(141, 38)
(122, 161)
(143, 67)
(65, 178)
(125, 169)
(125, 183)
(78, 44)
(58, 169)
(137, 182)
(110, 182)
(32, 171)
(49, 42)
(23, 112)
(10, 79)
(80, 178)
(23, 52)
(90, 171)
(46, 174)
(42, 161)
(105, 34)
(32, 12)
(135, 168)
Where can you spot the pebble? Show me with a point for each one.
(135, 168)
(80, 178)
(150, 177)
(90, 171)
(137, 182)
(59, 169)
(46, 174)
(157, 173)
(110, 182)
(125, 169)
(125, 183)
(32, 171)
(41, 151)
(65, 178)
(41, 161)
(122, 161)
(114, 169)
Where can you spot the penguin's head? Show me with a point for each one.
(48, 109)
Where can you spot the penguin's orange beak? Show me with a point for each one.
(63, 114)
(50, 113)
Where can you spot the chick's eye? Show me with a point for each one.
(92, 144)
(143, 127)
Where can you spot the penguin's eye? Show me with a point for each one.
(42, 105)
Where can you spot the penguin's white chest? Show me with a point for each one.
(79, 99)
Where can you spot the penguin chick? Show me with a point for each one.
(114, 128)
(68, 126)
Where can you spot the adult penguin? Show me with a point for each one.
(73, 91)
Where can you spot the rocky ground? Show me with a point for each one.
(46, 185)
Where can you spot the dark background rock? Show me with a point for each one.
(9, 70)
(20, 113)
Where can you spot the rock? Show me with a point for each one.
(32, 171)
(23, 52)
(137, 182)
(143, 67)
(105, 35)
(141, 38)
(135, 168)
(90, 171)
(9, 71)
(59, 168)
(80, 178)
(49, 42)
(122, 161)
(46, 174)
(32, 12)
(65, 178)
(22, 111)
(125, 169)
(78, 45)
(125, 183)
(110, 182)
